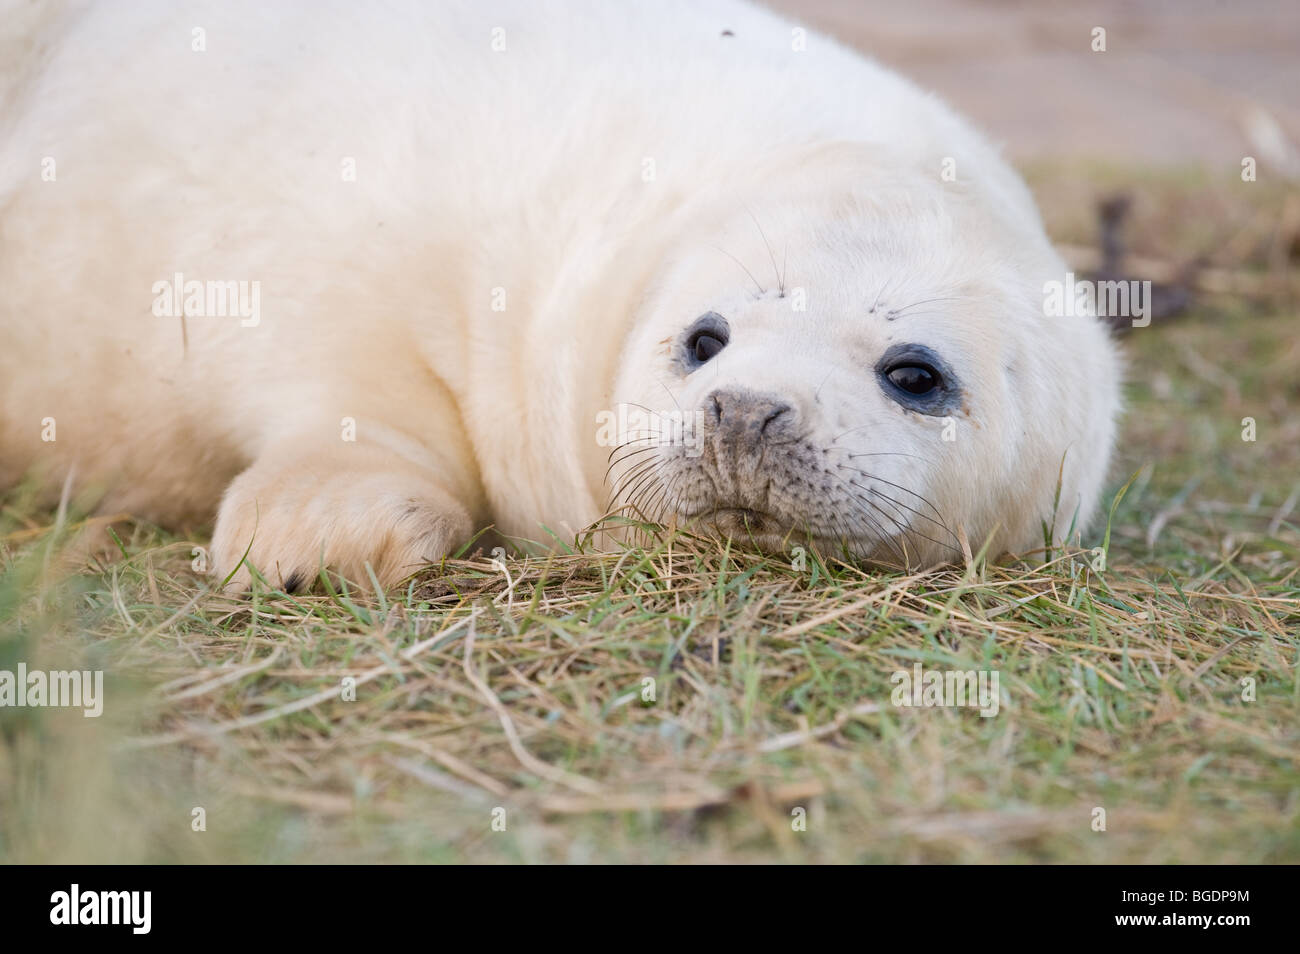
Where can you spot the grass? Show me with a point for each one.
(478, 691)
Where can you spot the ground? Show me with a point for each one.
(1150, 673)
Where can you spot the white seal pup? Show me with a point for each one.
(359, 281)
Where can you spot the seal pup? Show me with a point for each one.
(360, 281)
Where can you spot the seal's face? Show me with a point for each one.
(844, 375)
(804, 450)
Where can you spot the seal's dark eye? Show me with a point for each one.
(704, 345)
(914, 378)
(705, 338)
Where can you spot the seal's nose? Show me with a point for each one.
(743, 418)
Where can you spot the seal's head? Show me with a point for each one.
(867, 368)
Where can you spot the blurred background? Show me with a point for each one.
(1181, 81)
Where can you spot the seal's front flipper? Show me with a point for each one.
(292, 514)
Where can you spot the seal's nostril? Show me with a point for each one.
(776, 412)
(742, 415)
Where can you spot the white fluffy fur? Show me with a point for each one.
(521, 169)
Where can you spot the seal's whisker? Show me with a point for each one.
(863, 514)
(882, 535)
(632, 469)
(929, 301)
(844, 528)
(637, 446)
(925, 500)
(653, 502)
(833, 446)
(898, 503)
(818, 392)
(644, 507)
(780, 282)
(628, 453)
(626, 480)
(761, 289)
(879, 295)
(648, 410)
(904, 529)
(624, 445)
(670, 394)
(891, 454)
(907, 524)
(873, 505)
(647, 472)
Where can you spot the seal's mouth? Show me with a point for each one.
(768, 531)
(743, 522)
(741, 519)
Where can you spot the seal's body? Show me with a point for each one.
(360, 280)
